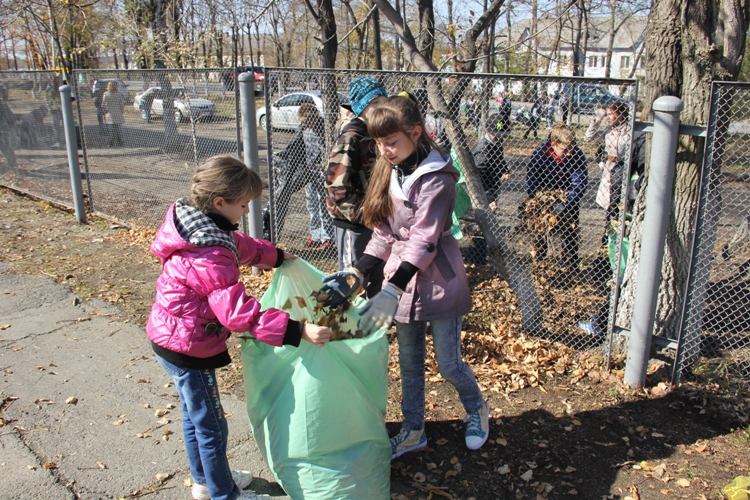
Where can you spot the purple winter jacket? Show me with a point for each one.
(418, 232)
(200, 285)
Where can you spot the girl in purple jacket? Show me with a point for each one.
(408, 204)
(200, 300)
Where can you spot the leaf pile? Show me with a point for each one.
(536, 216)
(335, 318)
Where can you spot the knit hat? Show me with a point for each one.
(362, 91)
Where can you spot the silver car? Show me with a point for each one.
(185, 105)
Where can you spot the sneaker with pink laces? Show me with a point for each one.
(242, 478)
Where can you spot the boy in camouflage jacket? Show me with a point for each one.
(349, 167)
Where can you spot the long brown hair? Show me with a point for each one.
(397, 114)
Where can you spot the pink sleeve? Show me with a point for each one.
(241, 313)
(216, 276)
(255, 252)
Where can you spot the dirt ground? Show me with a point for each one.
(561, 426)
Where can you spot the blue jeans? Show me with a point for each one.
(204, 426)
(446, 340)
(316, 207)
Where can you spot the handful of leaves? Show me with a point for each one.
(536, 214)
(342, 326)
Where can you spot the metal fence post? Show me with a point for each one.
(250, 146)
(658, 205)
(72, 146)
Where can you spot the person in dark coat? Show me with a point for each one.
(559, 164)
(489, 156)
(535, 118)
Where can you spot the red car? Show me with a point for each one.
(260, 78)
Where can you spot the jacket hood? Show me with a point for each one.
(349, 122)
(186, 227)
(435, 162)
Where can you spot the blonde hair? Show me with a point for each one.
(397, 114)
(111, 87)
(223, 176)
(562, 135)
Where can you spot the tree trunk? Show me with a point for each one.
(376, 36)
(502, 258)
(689, 43)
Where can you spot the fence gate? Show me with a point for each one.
(715, 337)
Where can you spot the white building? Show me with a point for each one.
(627, 47)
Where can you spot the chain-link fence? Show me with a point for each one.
(535, 210)
(32, 139)
(715, 341)
(145, 132)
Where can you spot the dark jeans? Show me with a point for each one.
(116, 139)
(566, 230)
(533, 126)
(204, 427)
(6, 147)
(351, 244)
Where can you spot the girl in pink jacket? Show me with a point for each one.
(200, 301)
(408, 204)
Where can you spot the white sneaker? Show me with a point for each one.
(478, 427)
(242, 478)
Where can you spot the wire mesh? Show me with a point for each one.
(33, 158)
(546, 226)
(145, 132)
(715, 341)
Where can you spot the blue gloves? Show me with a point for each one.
(558, 208)
(379, 311)
(339, 286)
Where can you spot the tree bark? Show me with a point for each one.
(689, 43)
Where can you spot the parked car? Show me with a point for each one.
(258, 73)
(99, 87)
(184, 104)
(584, 97)
(284, 111)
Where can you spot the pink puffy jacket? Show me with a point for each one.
(200, 285)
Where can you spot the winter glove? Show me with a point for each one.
(558, 208)
(339, 286)
(379, 311)
(600, 112)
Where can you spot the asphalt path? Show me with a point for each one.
(85, 409)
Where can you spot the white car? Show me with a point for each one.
(284, 111)
(184, 104)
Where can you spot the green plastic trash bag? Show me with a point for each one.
(463, 202)
(612, 252)
(318, 414)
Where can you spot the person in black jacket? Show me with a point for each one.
(535, 118)
(296, 166)
(489, 156)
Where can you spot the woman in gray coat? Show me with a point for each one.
(113, 103)
(409, 203)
